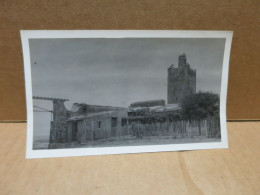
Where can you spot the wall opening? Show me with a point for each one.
(74, 131)
(123, 122)
(113, 121)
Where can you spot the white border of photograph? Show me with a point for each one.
(28, 34)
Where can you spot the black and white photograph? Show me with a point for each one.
(114, 92)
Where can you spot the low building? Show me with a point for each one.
(99, 125)
(85, 123)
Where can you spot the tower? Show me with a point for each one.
(181, 81)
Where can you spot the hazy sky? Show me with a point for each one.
(116, 72)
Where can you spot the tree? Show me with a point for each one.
(200, 106)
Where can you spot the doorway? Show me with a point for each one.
(113, 126)
(74, 131)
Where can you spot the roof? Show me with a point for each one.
(168, 107)
(80, 117)
(148, 103)
(93, 108)
(173, 106)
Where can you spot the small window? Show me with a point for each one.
(99, 124)
(123, 122)
(113, 121)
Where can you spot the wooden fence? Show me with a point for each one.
(181, 128)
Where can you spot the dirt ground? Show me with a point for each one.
(131, 141)
(153, 140)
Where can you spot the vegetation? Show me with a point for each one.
(199, 106)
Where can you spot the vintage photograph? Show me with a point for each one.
(119, 90)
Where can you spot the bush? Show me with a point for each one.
(200, 106)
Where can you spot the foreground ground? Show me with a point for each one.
(131, 141)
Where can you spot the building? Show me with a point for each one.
(181, 81)
(85, 123)
(95, 122)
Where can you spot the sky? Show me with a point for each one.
(116, 71)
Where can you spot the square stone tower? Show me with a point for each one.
(181, 81)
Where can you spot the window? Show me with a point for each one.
(113, 122)
(123, 122)
(99, 124)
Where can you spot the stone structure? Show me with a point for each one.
(181, 81)
(58, 125)
(93, 122)
(85, 123)
(58, 131)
